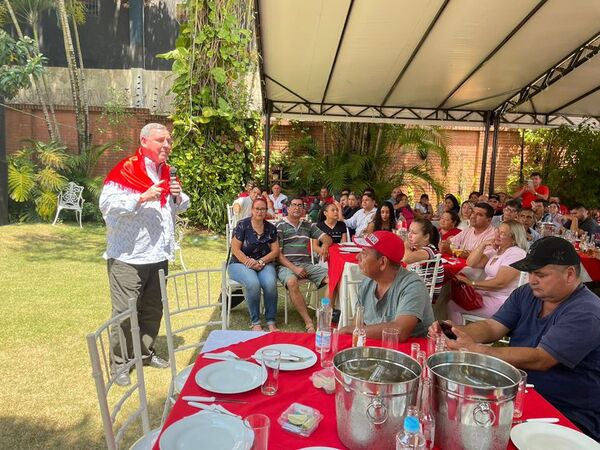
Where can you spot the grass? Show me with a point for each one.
(54, 292)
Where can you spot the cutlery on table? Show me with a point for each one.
(538, 419)
(195, 398)
(214, 408)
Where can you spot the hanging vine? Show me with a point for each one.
(216, 136)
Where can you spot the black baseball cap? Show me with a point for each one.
(548, 250)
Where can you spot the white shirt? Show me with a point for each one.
(139, 233)
(360, 220)
(278, 202)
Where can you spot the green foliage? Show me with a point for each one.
(40, 170)
(569, 161)
(18, 61)
(216, 136)
(365, 155)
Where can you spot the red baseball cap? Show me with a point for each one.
(385, 242)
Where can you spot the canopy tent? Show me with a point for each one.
(516, 63)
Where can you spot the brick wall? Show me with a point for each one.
(465, 145)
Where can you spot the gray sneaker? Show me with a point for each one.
(123, 379)
(156, 361)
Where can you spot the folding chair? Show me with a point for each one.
(181, 224)
(105, 373)
(428, 271)
(189, 300)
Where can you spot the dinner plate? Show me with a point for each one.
(207, 430)
(230, 377)
(351, 250)
(347, 244)
(548, 436)
(291, 349)
(319, 448)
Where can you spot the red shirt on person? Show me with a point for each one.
(529, 197)
(450, 233)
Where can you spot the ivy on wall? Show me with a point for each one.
(216, 136)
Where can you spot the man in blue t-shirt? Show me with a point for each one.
(554, 328)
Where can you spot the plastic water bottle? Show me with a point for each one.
(411, 438)
(323, 322)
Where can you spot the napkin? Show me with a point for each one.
(214, 408)
(227, 355)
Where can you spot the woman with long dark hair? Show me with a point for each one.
(384, 219)
(422, 245)
(451, 203)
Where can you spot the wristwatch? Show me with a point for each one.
(261, 262)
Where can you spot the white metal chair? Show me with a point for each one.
(189, 300)
(428, 271)
(105, 373)
(181, 224)
(70, 198)
(231, 286)
(311, 290)
(231, 217)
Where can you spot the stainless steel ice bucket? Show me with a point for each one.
(472, 400)
(373, 388)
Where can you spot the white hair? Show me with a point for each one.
(147, 130)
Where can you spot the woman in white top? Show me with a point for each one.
(421, 245)
(495, 256)
(466, 210)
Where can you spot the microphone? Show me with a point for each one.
(173, 177)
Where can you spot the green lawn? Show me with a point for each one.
(55, 291)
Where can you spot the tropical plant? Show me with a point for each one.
(18, 64)
(369, 155)
(216, 136)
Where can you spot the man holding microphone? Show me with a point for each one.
(139, 202)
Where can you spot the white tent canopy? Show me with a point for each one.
(524, 63)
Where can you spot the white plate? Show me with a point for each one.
(345, 244)
(207, 430)
(351, 250)
(292, 350)
(319, 448)
(230, 377)
(548, 436)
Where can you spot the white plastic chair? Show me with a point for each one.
(348, 295)
(70, 198)
(105, 373)
(428, 271)
(189, 300)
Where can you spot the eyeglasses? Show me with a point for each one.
(296, 205)
(163, 141)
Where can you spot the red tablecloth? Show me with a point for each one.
(592, 266)
(338, 259)
(297, 387)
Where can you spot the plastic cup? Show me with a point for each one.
(329, 345)
(414, 350)
(390, 338)
(520, 397)
(270, 360)
(259, 424)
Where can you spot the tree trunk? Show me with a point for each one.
(84, 95)
(73, 76)
(52, 129)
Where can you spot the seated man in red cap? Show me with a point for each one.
(392, 296)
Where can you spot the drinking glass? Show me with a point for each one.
(270, 360)
(329, 345)
(414, 350)
(520, 397)
(390, 338)
(431, 343)
(259, 424)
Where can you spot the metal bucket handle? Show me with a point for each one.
(377, 412)
(483, 415)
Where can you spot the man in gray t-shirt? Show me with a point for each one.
(392, 296)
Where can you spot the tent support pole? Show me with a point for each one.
(269, 109)
(494, 152)
(486, 139)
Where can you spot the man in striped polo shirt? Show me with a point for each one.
(295, 259)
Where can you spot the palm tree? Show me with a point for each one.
(74, 77)
(29, 11)
(362, 155)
